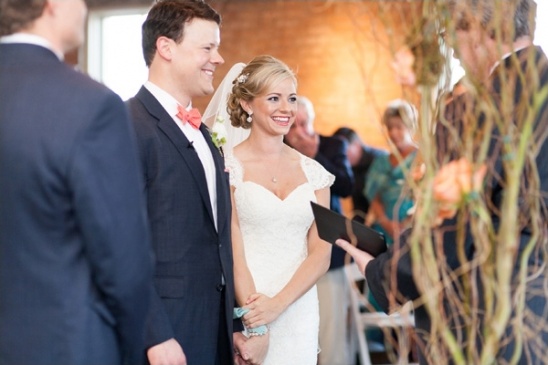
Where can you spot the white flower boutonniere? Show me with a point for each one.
(218, 132)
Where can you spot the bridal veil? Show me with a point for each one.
(216, 110)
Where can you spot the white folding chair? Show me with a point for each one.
(399, 321)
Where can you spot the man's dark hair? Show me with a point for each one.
(167, 18)
(347, 134)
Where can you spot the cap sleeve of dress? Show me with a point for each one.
(235, 170)
(316, 174)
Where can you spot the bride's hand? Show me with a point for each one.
(262, 310)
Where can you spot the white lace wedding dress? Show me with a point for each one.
(274, 234)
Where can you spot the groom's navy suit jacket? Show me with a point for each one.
(75, 258)
(192, 256)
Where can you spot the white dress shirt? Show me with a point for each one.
(195, 137)
(30, 39)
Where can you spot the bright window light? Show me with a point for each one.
(541, 31)
(115, 55)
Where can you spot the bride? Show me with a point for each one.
(278, 256)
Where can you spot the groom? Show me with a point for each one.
(187, 191)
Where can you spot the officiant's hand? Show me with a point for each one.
(361, 258)
(262, 310)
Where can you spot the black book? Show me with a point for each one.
(332, 226)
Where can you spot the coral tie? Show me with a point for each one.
(191, 116)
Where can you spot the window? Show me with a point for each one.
(115, 56)
(541, 31)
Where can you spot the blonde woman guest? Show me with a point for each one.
(385, 183)
(278, 256)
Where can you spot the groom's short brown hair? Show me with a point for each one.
(167, 18)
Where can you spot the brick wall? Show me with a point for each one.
(340, 50)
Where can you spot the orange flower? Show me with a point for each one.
(453, 183)
(446, 187)
(403, 66)
(469, 182)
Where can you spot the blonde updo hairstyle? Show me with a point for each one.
(254, 80)
(405, 111)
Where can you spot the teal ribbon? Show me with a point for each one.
(239, 312)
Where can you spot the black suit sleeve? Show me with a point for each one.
(158, 324)
(378, 272)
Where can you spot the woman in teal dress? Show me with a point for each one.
(386, 180)
(385, 183)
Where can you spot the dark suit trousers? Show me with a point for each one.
(224, 353)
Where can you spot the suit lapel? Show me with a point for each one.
(181, 143)
(220, 178)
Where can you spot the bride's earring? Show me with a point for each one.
(249, 117)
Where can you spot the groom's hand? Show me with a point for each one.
(166, 353)
(250, 351)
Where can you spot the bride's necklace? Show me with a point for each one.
(274, 179)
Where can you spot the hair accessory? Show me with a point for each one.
(249, 117)
(242, 78)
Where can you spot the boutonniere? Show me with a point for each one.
(218, 133)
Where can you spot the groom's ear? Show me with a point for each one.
(163, 47)
(245, 105)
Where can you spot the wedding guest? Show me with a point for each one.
(186, 188)
(278, 256)
(360, 156)
(386, 178)
(327, 150)
(511, 56)
(330, 152)
(75, 260)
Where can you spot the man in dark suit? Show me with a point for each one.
(75, 259)
(330, 152)
(186, 188)
(516, 72)
(360, 157)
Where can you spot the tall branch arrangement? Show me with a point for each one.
(479, 225)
